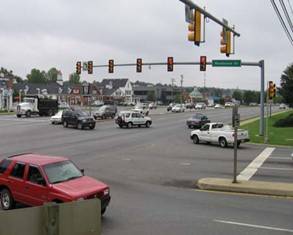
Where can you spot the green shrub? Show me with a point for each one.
(285, 122)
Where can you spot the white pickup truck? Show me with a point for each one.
(218, 133)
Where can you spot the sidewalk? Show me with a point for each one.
(252, 187)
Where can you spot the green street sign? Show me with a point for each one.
(226, 63)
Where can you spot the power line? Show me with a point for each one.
(282, 22)
(286, 14)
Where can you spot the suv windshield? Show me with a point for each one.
(81, 114)
(61, 171)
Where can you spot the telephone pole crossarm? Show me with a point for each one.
(208, 15)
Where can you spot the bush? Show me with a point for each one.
(286, 122)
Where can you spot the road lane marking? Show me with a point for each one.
(252, 168)
(254, 226)
(281, 158)
(185, 164)
(277, 168)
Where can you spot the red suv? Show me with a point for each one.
(33, 180)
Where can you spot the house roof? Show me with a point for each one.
(116, 83)
(52, 88)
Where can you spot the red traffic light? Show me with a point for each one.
(170, 63)
(203, 63)
(139, 65)
(90, 67)
(111, 66)
(78, 67)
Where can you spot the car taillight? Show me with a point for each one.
(106, 192)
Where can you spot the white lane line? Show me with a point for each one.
(277, 168)
(185, 164)
(254, 226)
(281, 158)
(252, 168)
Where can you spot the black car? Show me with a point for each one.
(197, 120)
(78, 119)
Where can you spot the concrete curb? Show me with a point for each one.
(251, 187)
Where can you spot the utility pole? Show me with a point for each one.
(173, 80)
(181, 82)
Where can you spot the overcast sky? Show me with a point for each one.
(57, 33)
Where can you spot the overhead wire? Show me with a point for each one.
(286, 14)
(290, 6)
(282, 21)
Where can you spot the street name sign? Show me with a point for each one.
(226, 63)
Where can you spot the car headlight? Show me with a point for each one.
(83, 120)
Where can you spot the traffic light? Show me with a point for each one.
(139, 65)
(78, 67)
(111, 66)
(194, 29)
(170, 63)
(271, 90)
(226, 42)
(90, 67)
(203, 63)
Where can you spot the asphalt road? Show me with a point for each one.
(152, 173)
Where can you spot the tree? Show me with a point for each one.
(250, 97)
(52, 75)
(74, 78)
(36, 76)
(287, 85)
(237, 95)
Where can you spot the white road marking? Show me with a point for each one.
(252, 168)
(185, 164)
(126, 159)
(277, 168)
(255, 226)
(281, 158)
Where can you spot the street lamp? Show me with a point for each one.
(181, 82)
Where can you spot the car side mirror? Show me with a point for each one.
(82, 171)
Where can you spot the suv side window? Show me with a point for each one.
(127, 115)
(35, 176)
(134, 115)
(4, 165)
(18, 170)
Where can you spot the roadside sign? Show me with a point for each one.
(226, 63)
(188, 14)
(84, 66)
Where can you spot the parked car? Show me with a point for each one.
(229, 104)
(78, 119)
(200, 105)
(106, 111)
(218, 133)
(178, 108)
(189, 106)
(57, 118)
(152, 105)
(97, 103)
(197, 120)
(283, 106)
(132, 118)
(218, 106)
(34, 180)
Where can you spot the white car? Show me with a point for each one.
(200, 106)
(218, 133)
(218, 106)
(152, 105)
(57, 118)
(132, 118)
(178, 108)
(229, 104)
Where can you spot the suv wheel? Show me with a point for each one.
(65, 124)
(195, 139)
(129, 124)
(6, 198)
(223, 142)
(147, 124)
(28, 113)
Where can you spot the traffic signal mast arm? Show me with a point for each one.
(208, 15)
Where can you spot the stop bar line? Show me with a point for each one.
(252, 168)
